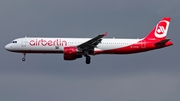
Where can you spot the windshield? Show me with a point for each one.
(14, 41)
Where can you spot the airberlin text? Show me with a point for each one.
(48, 42)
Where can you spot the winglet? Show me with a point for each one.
(105, 34)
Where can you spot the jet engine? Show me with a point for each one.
(70, 53)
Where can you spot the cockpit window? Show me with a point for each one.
(14, 41)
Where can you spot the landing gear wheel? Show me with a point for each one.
(88, 59)
(23, 59)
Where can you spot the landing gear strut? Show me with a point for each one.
(23, 59)
(88, 59)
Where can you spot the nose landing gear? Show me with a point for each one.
(23, 59)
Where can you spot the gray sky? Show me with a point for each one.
(150, 76)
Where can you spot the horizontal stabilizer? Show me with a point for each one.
(162, 43)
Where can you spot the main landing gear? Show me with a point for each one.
(23, 59)
(88, 59)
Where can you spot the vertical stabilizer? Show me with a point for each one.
(159, 32)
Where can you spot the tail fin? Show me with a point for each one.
(159, 32)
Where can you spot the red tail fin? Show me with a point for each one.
(159, 32)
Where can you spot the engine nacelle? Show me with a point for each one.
(72, 57)
(70, 50)
(70, 53)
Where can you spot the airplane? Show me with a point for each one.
(74, 48)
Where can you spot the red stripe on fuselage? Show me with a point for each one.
(141, 46)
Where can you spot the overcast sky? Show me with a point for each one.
(150, 76)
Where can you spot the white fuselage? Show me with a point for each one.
(56, 45)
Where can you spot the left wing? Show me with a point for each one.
(91, 44)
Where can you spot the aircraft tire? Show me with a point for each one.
(88, 59)
(23, 59)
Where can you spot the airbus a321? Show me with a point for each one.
(74, 48)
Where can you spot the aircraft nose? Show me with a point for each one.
(7, 47)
